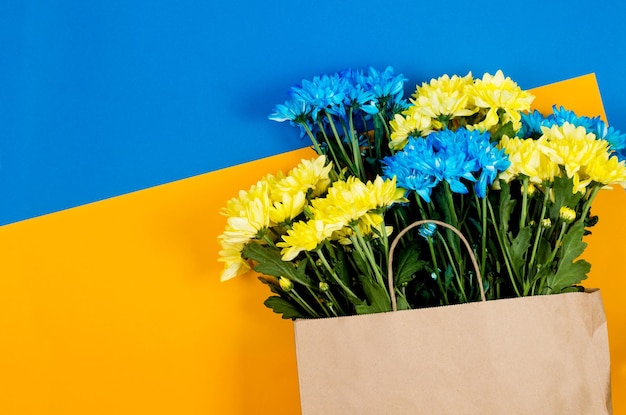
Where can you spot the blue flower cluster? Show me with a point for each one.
(369, 91)
(451, 156)
(532, 123)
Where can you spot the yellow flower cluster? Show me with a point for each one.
(272, 202)
(565, 149)
(348, 206)
(448, 102)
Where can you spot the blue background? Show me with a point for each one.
(102, 98)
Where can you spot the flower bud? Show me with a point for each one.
(546, 223)
(567, 214)
(285, 284)
(324, 286)
(427, 230)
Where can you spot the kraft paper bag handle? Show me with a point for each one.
(392, 291)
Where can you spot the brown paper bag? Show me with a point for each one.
(533, 355)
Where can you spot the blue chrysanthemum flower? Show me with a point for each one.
(386, 83)
(562, 115)
(413, 168)
(490, 160)
(360, 99)
(387, 87)
(532, 123)
(616, 139)
(295, 110)
(456, 157)
(324, 93)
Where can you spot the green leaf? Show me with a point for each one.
(519, 248)
(407, 265)
(448, 276)
(272, 286)
(377, 297)
(506, 207)
(360, 262)
(505, 129)
(338, 263)
(282, 306)
(402, 304)
(563, 195)
(269, 262)
(543, 251)
(570, 272)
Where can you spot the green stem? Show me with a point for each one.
(377, 138)
(454, 221)
(366, 252)
(319, 301)
(557, 245)
(531, 264)
(336, 277)
(349, 161)
(483, 242)
(333, 300)
(587, 205)
(356, 151)
(522, 219)
(420, 206)
(436, 271)
(457, 274)
(294, 294)
(370, 146)
(321, 278)
(556, 248)
(267, 239)
(316, 145)
(331, 149)
(383, 121)
(505, 252)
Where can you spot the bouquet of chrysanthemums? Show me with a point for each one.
(467, 151)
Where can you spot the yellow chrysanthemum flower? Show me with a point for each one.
(304, 236)
(248, 214)
(444, 98)
(309, 174)
(384, 193)
(237, 205)
(528, 160)
(584, 157)
(234, 264)
(288, 208)
(572, 147)
(253, 218)
(494, 92)
(607, 170)
(345, 201)
(411, 123)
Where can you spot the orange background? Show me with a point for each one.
(116, 307)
